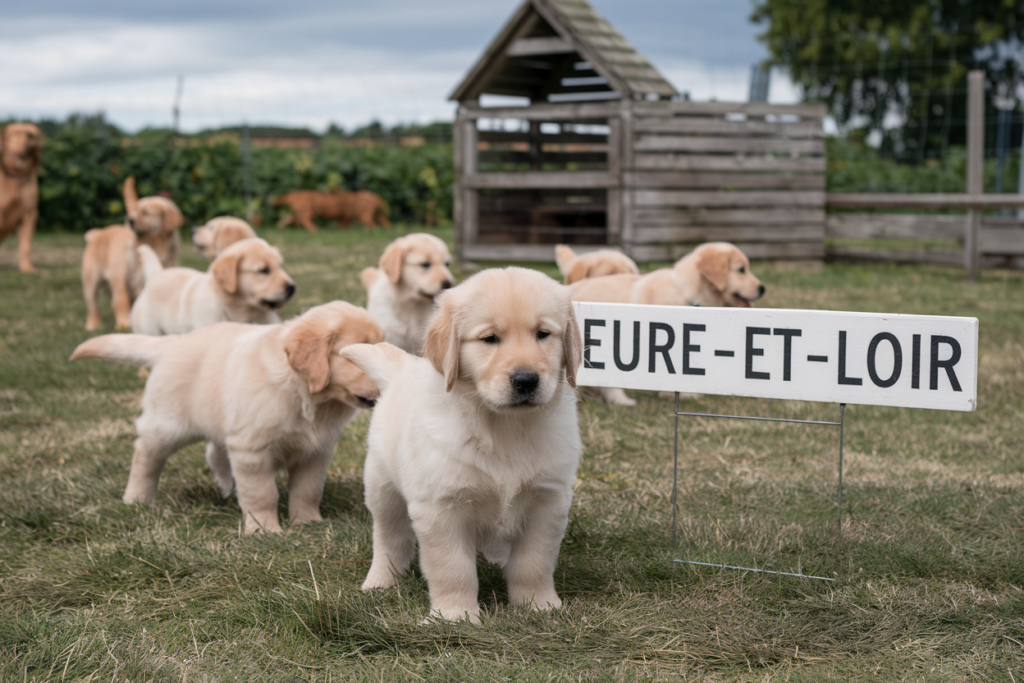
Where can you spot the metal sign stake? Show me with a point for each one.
(675, 482)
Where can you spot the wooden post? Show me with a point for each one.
(975, 167)
(627, 165)
(458, 211)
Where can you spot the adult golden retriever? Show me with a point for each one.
(713, 274)
(111, 257)
(474, 448)
(265, 397)
(400, 294)
(341, 205)
(220, 233)
(575, 267)
(20, 156)
(247, 283)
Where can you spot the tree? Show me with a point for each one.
(898, 67)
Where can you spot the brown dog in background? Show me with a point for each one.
(575, 267)
(111, 255)
(220, 233)
(20, 155)
(364, 206)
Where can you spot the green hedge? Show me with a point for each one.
(85, 161)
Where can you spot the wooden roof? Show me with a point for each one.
(561, 51)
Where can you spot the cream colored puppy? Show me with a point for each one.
(264, 398)
(246, 283)
(474, 448)
(713, 274)
(218, 234)
(575, 267)
(400, 294)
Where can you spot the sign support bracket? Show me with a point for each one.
(675, 482)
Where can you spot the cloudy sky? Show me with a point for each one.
(312, 62)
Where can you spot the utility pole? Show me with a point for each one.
(177, 104)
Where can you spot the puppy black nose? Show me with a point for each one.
(760, 290)
(446, 285)
(524, 381)
(289, 289)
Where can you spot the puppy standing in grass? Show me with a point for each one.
(264, 398)
(246, 283)
(474, 447)
(400, 294)
(111, 253)
(713, 274)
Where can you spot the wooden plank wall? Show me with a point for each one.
(748, 173)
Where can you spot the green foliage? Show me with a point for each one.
(856, 167)
(85, 162)
(910, 57)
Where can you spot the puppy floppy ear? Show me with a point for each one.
(578, 271)
(172, 216)
(392, 259)
(225, 271)
(131, 197)
(713, 264)
(308, 349)
(572, 346)
(441, 346)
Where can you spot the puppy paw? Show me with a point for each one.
(377, 579)
(307, 518)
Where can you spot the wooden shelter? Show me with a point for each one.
(606, 153)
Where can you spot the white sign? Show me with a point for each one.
(912, 361)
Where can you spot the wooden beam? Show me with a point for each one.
(731, 181)
(545, 112)
(719, 162)
(720, 126)
(531, 47)
(747, 145)
(644, 109)
(652, 198)
(541, 180)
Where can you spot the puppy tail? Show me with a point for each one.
(133, 349)
(150, 262)
(381, 362)
(564, 256)
(369, 276)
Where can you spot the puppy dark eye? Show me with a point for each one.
(447, 263)
(425, 265)
(742, 269)
(265, 270)
(489, 339)
(543, 335)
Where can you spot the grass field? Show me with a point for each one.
(930, 576)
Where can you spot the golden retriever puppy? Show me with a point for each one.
(218, 234)
(20, 156)
(155, 220)
(341, 205)
(713, 274)
(247, 283)
(400, 294)
(110, 257)
(575, 267)
(263, 397)
(474, 448)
